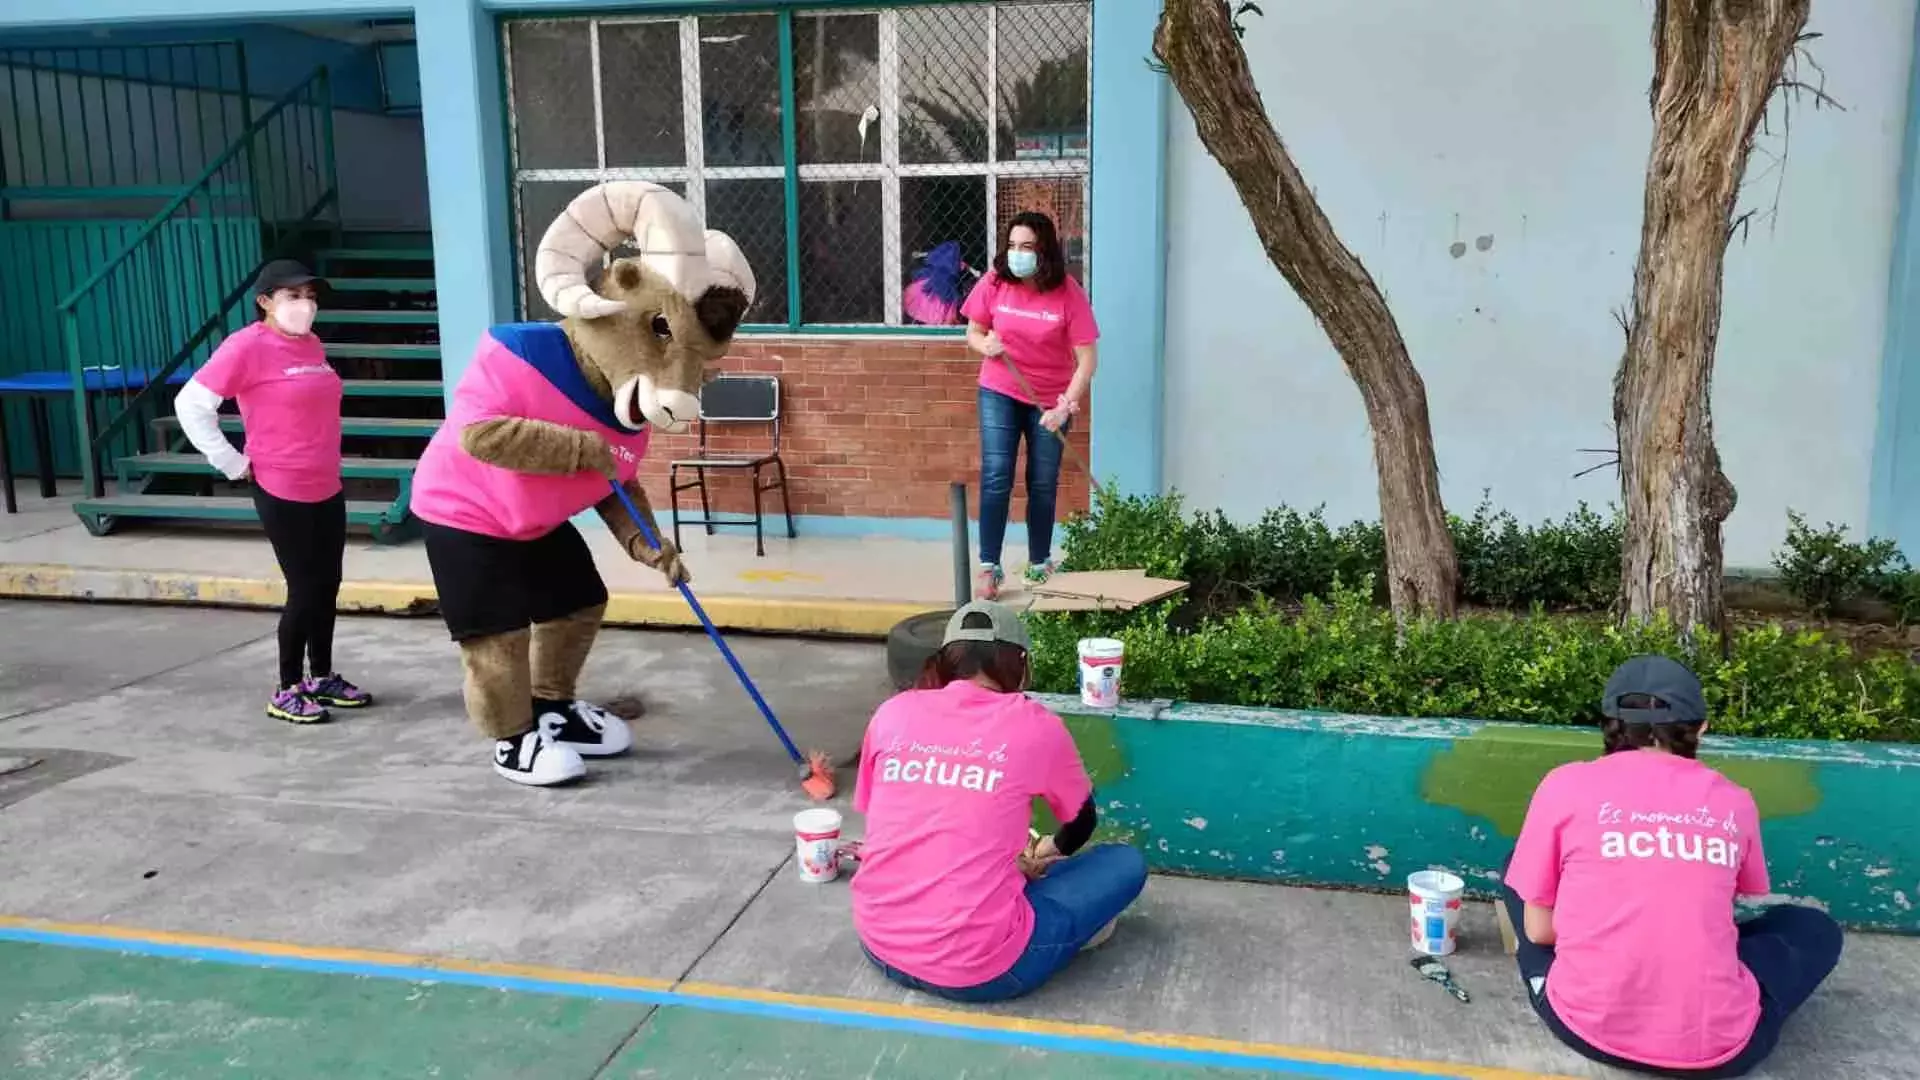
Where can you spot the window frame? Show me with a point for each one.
(889, 170)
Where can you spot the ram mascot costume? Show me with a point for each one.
(545, 416)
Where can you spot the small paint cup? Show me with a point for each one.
(1100, 662)
(1434, 896)
(816, 835)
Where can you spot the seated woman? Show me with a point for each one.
(1623, 883)
(949, 898)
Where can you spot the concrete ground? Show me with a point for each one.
(143, 793)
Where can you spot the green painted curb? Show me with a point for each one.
(1360, 801)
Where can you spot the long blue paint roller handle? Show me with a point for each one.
(646, 533)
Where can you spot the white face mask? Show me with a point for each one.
(295, 316)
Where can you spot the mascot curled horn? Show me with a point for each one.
(542, 419)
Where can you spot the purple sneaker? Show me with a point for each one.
(296, 706)
(335, 692)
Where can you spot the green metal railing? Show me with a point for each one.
(158, 307)
(117, 121)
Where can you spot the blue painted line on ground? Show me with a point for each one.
(774, 1010)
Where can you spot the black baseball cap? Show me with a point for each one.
(284, 274)
(1676, 697)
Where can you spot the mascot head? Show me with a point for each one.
(645, 333)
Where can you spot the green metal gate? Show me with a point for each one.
(93, 142)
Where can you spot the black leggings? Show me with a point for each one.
(1789, 949)
(310, 541)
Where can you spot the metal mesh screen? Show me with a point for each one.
(846, 150)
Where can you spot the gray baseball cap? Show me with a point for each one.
(1677, 697)
(1003, 626)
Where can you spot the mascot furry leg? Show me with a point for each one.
(542, 418)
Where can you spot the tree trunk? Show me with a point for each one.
(1716, 64)
(1197, 43)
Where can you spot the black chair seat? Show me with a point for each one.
(725, 461)
(735, 399)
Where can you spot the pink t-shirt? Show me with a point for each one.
(1039, 331)
(1640, 855)
(289, 405)
(947, 781)
(521, 370)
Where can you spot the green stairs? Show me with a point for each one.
(381, 328)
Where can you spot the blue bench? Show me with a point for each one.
(39, 387)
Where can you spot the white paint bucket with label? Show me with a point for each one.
(1434, 896)
(1100, 662)
(816, 834)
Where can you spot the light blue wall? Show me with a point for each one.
(1894, 502)
(1129, 222)
(461, 107)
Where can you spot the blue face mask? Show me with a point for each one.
(1022, 264)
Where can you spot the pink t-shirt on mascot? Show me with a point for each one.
(947, 781)
(1640, 855)
(289, 406)
(524, 370)
(1039, 331)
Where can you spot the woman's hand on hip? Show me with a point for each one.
(990, 344)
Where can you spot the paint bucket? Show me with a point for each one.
(1434, 896)
(1100, 660)
(816, 834)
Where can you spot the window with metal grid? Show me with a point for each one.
(839, 148)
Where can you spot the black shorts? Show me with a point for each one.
(491, 586)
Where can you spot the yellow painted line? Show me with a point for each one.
(762, 614)
(694, 992)
(777, 575)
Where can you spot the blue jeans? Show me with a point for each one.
(1790, 950)
(1003, 421)
(1077, 897)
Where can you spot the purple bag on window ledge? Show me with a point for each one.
(935, 294)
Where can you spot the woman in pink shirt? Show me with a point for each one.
(1623, 883)
(290, 407)
(1029, 316)
(950, 899)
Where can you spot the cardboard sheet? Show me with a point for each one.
(1129, 587)
(1101, 590)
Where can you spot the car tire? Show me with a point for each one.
(911, 642)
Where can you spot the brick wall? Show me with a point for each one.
(871, 427)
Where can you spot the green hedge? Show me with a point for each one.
(1232, 643)
(1572, 564)
(1342, 655)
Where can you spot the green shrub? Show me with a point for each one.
(1343, 655)
(1572, 564)
(1568, 565)
(1823, 569)
(1147, 532)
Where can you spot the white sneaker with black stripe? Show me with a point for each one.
(530, 759)
(583, 727)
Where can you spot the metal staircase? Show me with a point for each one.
(380, 325)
